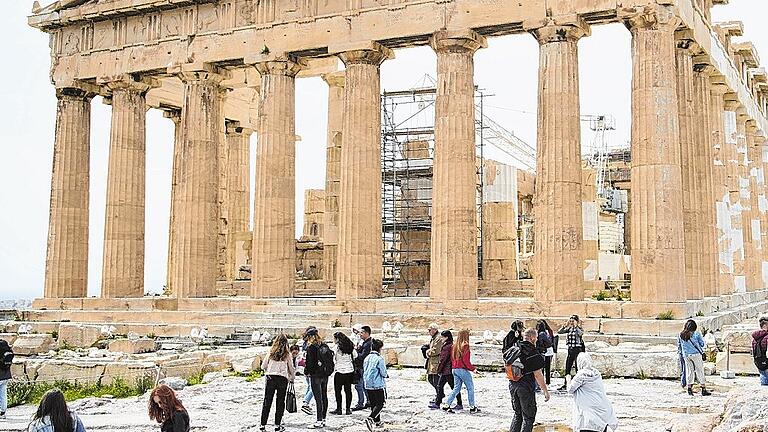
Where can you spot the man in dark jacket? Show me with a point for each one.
(362, 352)
(523, 392)
(760, 337)
(6, 360)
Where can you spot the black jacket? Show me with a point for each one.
(362, 353)
(312, 360)
(179, 422)
(6, 359)
(510, 339)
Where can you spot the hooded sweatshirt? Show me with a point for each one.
(756, 335)
(591, 408)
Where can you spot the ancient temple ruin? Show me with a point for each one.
(225, 69)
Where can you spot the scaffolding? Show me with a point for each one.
(408, 144)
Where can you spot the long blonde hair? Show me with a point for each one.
(462, 340)
(279, 349)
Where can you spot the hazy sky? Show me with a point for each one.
(507, 69)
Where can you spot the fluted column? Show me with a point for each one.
(274, 242)
(706, 200)
(359, 271)
(736, 144)
(720, 175)
(333, 175)
(658, 257)
(238, 189)
(558, 264)
(66, 262)
(123, 261)
(752, 238)
(175, 116)
(453, 256)
(195, 269)
(690, 149)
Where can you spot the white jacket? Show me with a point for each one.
(343, 363)
(591, 408)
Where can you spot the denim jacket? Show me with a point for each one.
(44, 425)
(374, 371)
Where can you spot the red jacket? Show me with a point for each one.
(463, 362)
(757, 334)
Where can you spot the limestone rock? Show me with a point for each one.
(133, 346)
(745, 410)
(738, 340)
(697, 423)
(9, 337)
(740, 363)
(175, 383)
(244, 361)
(70, 370)
(30, 344)
(212, 376)
(78, 335)
(129, 373)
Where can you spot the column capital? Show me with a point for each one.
(650, 17)
(719, 89)
(127, 82)
(685, 42)
(335, 79)
(559, 29)
(370, 53)
(280, 65)
(77, 91)
(195, 72)
(457, 41)
(172, 113)
(234, 128)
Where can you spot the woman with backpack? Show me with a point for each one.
(6, 361)
(344, 369)
(691, 344)
(319, 366)
(445, 370)
(279, 371)
(53, 415)
(166, 409)
(462, 372)
(374, 380)
(544, 343)
(575, 343)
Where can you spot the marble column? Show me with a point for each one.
(333, 175)
(175, 116)
(195, 269)
(558, 263)
(736, 145)
(723, 221)
(238, 189)
(274, 237)
(123, 261)
(706, 200)
(359, 260)
(751, 216)
(690, 149)
(453, 254)
(66, 262)
(658, 254)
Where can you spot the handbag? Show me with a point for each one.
(290, 399)
(703, 356)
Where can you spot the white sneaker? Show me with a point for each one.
(317, 425)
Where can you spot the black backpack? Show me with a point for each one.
(759, 354)
(7, 360)
(325, 360)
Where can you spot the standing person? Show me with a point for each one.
(363, 349)
(759, 349)
(319, 367)
(692, 346)
(592, 411)
(53, 415)
(343, 359)
(433, 360)
(514, 336)
(374, 376)
(523, 392)
(279, 371)
(462, 372)
(167, 410)
(295, 350)
(445, 371)
(575, 343)
(545, 346)
(301, 363)
(6, 361)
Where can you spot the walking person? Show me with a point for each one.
(592, 411)
(545, 345)
(301, 363)
(166, 409)
(692, 346)
(445, 371)
(319, 368)
(432, 353)
(374, 380)
(462, 373)
(343, 359)
(279, 371)
(363, 350)
(6, 361)
(523, 391)
(53, 415)
(759, 349)
(575, 343)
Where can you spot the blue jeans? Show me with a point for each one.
(360, 389)
(4, 396)
(308, 394)
(763, 378)
(462, 376)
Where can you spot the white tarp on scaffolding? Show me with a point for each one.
(499, 183)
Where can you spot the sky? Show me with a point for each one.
(507, 70)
